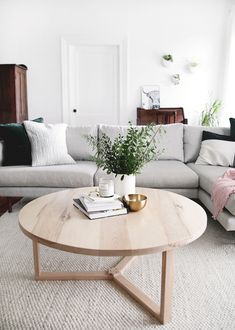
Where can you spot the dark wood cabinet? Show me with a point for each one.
(161, 116)
(13, 93)
(13, 105)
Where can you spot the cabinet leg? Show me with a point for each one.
(9, 204)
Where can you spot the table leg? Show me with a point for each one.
(162, 312)
(36, 259)
(166, 286)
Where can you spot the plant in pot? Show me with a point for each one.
(209, 116)
(167, 59)
(125, 155)
(192, 66)
(175, 78)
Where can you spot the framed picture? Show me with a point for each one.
(150, 97)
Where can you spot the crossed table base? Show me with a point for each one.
(162, 313)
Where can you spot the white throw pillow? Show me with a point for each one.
(48, 143)
(216, 152)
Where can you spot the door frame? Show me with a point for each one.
(70, 41)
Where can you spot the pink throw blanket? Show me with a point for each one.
(222, 189)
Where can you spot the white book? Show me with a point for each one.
(92, 207)
(101, 214)
(98, 199)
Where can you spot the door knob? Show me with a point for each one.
(74, 110)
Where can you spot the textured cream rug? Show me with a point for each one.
(204, 286)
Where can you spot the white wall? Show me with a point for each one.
(229, 95)
(30, 33)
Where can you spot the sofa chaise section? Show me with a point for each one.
(207, 176)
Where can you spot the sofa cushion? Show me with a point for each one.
(80, 174)
(207, 176)
(48, 144)
(171, 141)
(1, 152)
(162, 174)
(216, 152)
(167, 174)
(77, 145)
(214, 136)
(17, 148)
(232, 127)
(193, 137)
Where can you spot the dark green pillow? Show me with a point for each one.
(17, 148)
(232, 127)
(206, 135)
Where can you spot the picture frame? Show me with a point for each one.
(150, 97)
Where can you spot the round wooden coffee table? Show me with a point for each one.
(168, 221)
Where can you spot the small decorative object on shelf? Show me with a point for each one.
(150, 97)
(175, 78)
(126, 154)
(209, 116)
(167, 59)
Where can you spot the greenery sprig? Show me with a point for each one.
(209, 116)
(127, 154)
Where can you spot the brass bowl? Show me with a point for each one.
(135, 202)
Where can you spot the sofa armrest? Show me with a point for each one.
(1, 152)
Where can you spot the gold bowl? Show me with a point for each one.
(135, 202)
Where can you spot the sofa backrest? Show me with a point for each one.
(193, 137)
(171, 142)
(1, 152)
(77, 145)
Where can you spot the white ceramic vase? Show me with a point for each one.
(125, 186)
(166, 63)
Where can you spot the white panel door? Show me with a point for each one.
(93, 81)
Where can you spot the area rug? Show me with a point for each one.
(204, 286)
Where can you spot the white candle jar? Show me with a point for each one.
(106, 187)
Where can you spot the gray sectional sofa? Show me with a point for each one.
(174, 171)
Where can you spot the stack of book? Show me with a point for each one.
(98, 207)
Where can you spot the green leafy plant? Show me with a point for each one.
(168, 57)
(209, 116)
(126, 154)
(193, 64)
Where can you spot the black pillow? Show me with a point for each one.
(214, 136)
(17, 148)
(232, 127)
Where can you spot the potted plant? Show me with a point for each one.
(209, 116)
(125, 156)
(192, 66)
(175, 78)
(167, 59)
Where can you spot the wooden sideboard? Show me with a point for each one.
(161, 116)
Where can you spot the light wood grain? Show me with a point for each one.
(138, 295)
(36, 259)
(166, 286)
(168, 220)
(74, 276)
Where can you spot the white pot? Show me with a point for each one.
(166, 63)
(125, 186)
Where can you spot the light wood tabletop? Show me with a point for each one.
(168, 221)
